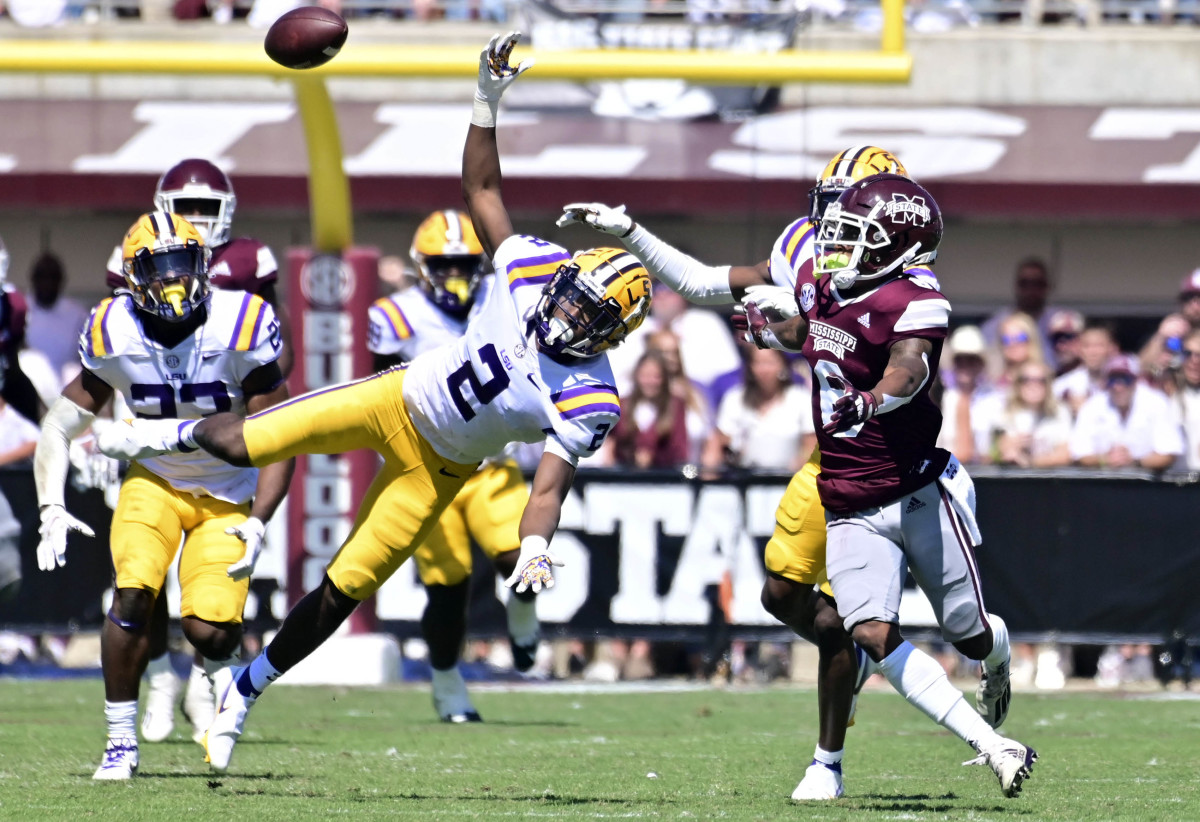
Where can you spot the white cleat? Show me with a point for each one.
(159, 718)
(820, 783)
(140, 438)
(994, 694)
(1012, 763)
(227, 725)
(120, 759)
(199, 704)
(450, 698)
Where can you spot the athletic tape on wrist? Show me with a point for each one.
(483, 114)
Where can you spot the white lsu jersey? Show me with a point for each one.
(406, 324)
(202, 375)
(492, 386)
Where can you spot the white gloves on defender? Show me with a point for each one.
(56, 525)
(599, 216)
(535, 566)
(773, 297)
(138, 439)
(495, 76)
(250, 532)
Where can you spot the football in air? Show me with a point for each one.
(306, 37)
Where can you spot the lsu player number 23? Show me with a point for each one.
(173, 349)
(531, 367)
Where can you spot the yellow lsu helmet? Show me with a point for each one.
(844, 170)
(592, 303)
(165, 265)
(449, 259)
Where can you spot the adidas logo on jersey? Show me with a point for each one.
(914, 504)
(865, 320)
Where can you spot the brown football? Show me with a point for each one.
(306, 37)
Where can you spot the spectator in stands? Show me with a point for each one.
(966, 385)
(18, 436)
(765, 423)
(1032, 430)
(712, 356)
(1129, 425)
(1031, 288)
(1019, 343)
(1097, 346)
(1161, 353)
(1185, 396)
(1064, 328)
(54, 321)
(699, 413)
(652, 432)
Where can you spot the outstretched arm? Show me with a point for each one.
(481, 158)
(693, 280)
(535, 564)
(907, 370)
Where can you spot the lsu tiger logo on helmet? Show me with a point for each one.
(844, 170)
(165, 264)
(450, 260)
(593, 303)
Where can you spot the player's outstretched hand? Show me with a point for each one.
(749, 323)
(495, 74)
(56, 525)
(599, 216)
(140, 438)
(853, 408)
(535, 566)
(251, 533)
(773, 298)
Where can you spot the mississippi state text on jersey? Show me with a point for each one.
(202, 375)
(493, 386)
(893, 453)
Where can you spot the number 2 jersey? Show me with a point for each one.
(492, 386)
(894, 453)
(200, 376)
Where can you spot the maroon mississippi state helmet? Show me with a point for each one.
(201, 193)
(878, 227)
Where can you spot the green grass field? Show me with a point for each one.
(322, 753)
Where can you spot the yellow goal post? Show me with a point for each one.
(329, 191)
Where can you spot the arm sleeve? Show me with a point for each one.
(693, 280)
(63, 422)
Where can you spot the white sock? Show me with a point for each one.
(523, 624)
(211, 666)
(449, 678)
(1001, 651)
(158, 665)
(920, 679)
(830, 759)
(121, 718)
(255, 679)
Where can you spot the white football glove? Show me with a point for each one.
(773, 297)
(139, 438)
(56, 525)
(495, 74)
(598, 216)
(250, 532)
(535, 566)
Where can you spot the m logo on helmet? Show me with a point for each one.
(904, 209)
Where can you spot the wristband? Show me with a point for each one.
(483, 114)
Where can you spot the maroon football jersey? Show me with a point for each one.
(894, 453)
(242, 264)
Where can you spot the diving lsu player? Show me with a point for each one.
(531, 367)
(453, 283)
(173, 348)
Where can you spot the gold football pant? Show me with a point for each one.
(151, 518)
(412, 489)
(488, 509)
(796, 550)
